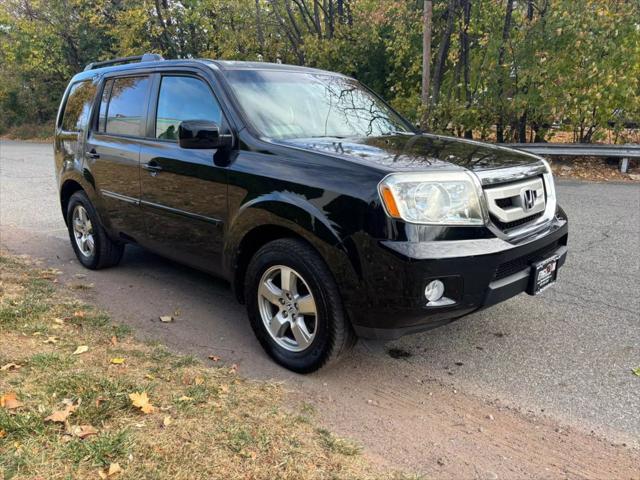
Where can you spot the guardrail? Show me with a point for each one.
(623, 152)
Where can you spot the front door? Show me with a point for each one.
(113, 152)
(184, 193)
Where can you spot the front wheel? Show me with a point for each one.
(295, 307)
(90, 242)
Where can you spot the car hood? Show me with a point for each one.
(416, 152)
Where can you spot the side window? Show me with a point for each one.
(125, 113)
(184, 98)
(78, 106)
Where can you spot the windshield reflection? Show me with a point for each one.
(286, 105)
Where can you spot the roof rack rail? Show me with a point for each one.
(147, 57)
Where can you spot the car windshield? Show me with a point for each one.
(285, 105)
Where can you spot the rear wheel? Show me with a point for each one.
(89, 239)
(295, 307)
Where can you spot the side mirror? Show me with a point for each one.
(202, 134)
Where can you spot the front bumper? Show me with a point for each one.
(476, 273)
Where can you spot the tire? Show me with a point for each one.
(332, 335)
(104, 252)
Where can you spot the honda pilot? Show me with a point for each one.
(329, 214)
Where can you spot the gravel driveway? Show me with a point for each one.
(564, 357)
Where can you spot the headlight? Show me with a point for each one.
(438, 198)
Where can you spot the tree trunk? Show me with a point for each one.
(443, 52)
(169, 46)
(464, 57)
(501, 52)
(259, 28)
(426, 51)
(316, 17)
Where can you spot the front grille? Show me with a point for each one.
(515, 204)
(515, 223)
(521, 263)
(504, 202)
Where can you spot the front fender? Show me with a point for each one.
(294, 213)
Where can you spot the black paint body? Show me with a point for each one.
(212, 209)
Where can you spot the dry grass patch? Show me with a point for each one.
(138, 409)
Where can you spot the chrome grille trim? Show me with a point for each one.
(511, 174)
(516, 192)
(541, 170)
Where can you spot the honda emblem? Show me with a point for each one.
(528, 199)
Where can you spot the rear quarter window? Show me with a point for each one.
(78, 106)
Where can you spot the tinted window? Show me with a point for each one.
(183, 98)
(127, 106)
(76, 112)
(102, 118)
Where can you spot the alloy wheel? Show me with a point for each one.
(83, 231)
(287, 308)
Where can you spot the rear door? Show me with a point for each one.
(184, 193)
(72, 124)
(113, 151)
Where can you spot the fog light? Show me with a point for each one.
(434, 290)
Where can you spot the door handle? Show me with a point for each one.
(93, 154)
(153, 168)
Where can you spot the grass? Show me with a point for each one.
(208, 421)
(29, 131)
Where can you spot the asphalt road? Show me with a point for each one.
(566, 354)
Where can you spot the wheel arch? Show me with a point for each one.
(262, 222)
(68, 188)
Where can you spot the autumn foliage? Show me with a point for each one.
(505, 69)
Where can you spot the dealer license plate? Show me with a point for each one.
(543, 275)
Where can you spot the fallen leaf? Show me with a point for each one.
(69, 401)
(83, 431)
(79, 314)
(214, 358)
(59, 321)
(81, 349)
(114, 340)
(141, 401)
(112, 471)
(224, 388)
(117, 361)
(10, 401)
(148, 376)
(184, 398)
(52, 340)
(636, 371)
(199, 380)
(100, 401)
(166, 318)
(61, 416)
(10, 366)
(2, 433)
(167, 421)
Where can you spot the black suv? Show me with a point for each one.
(328, 213)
